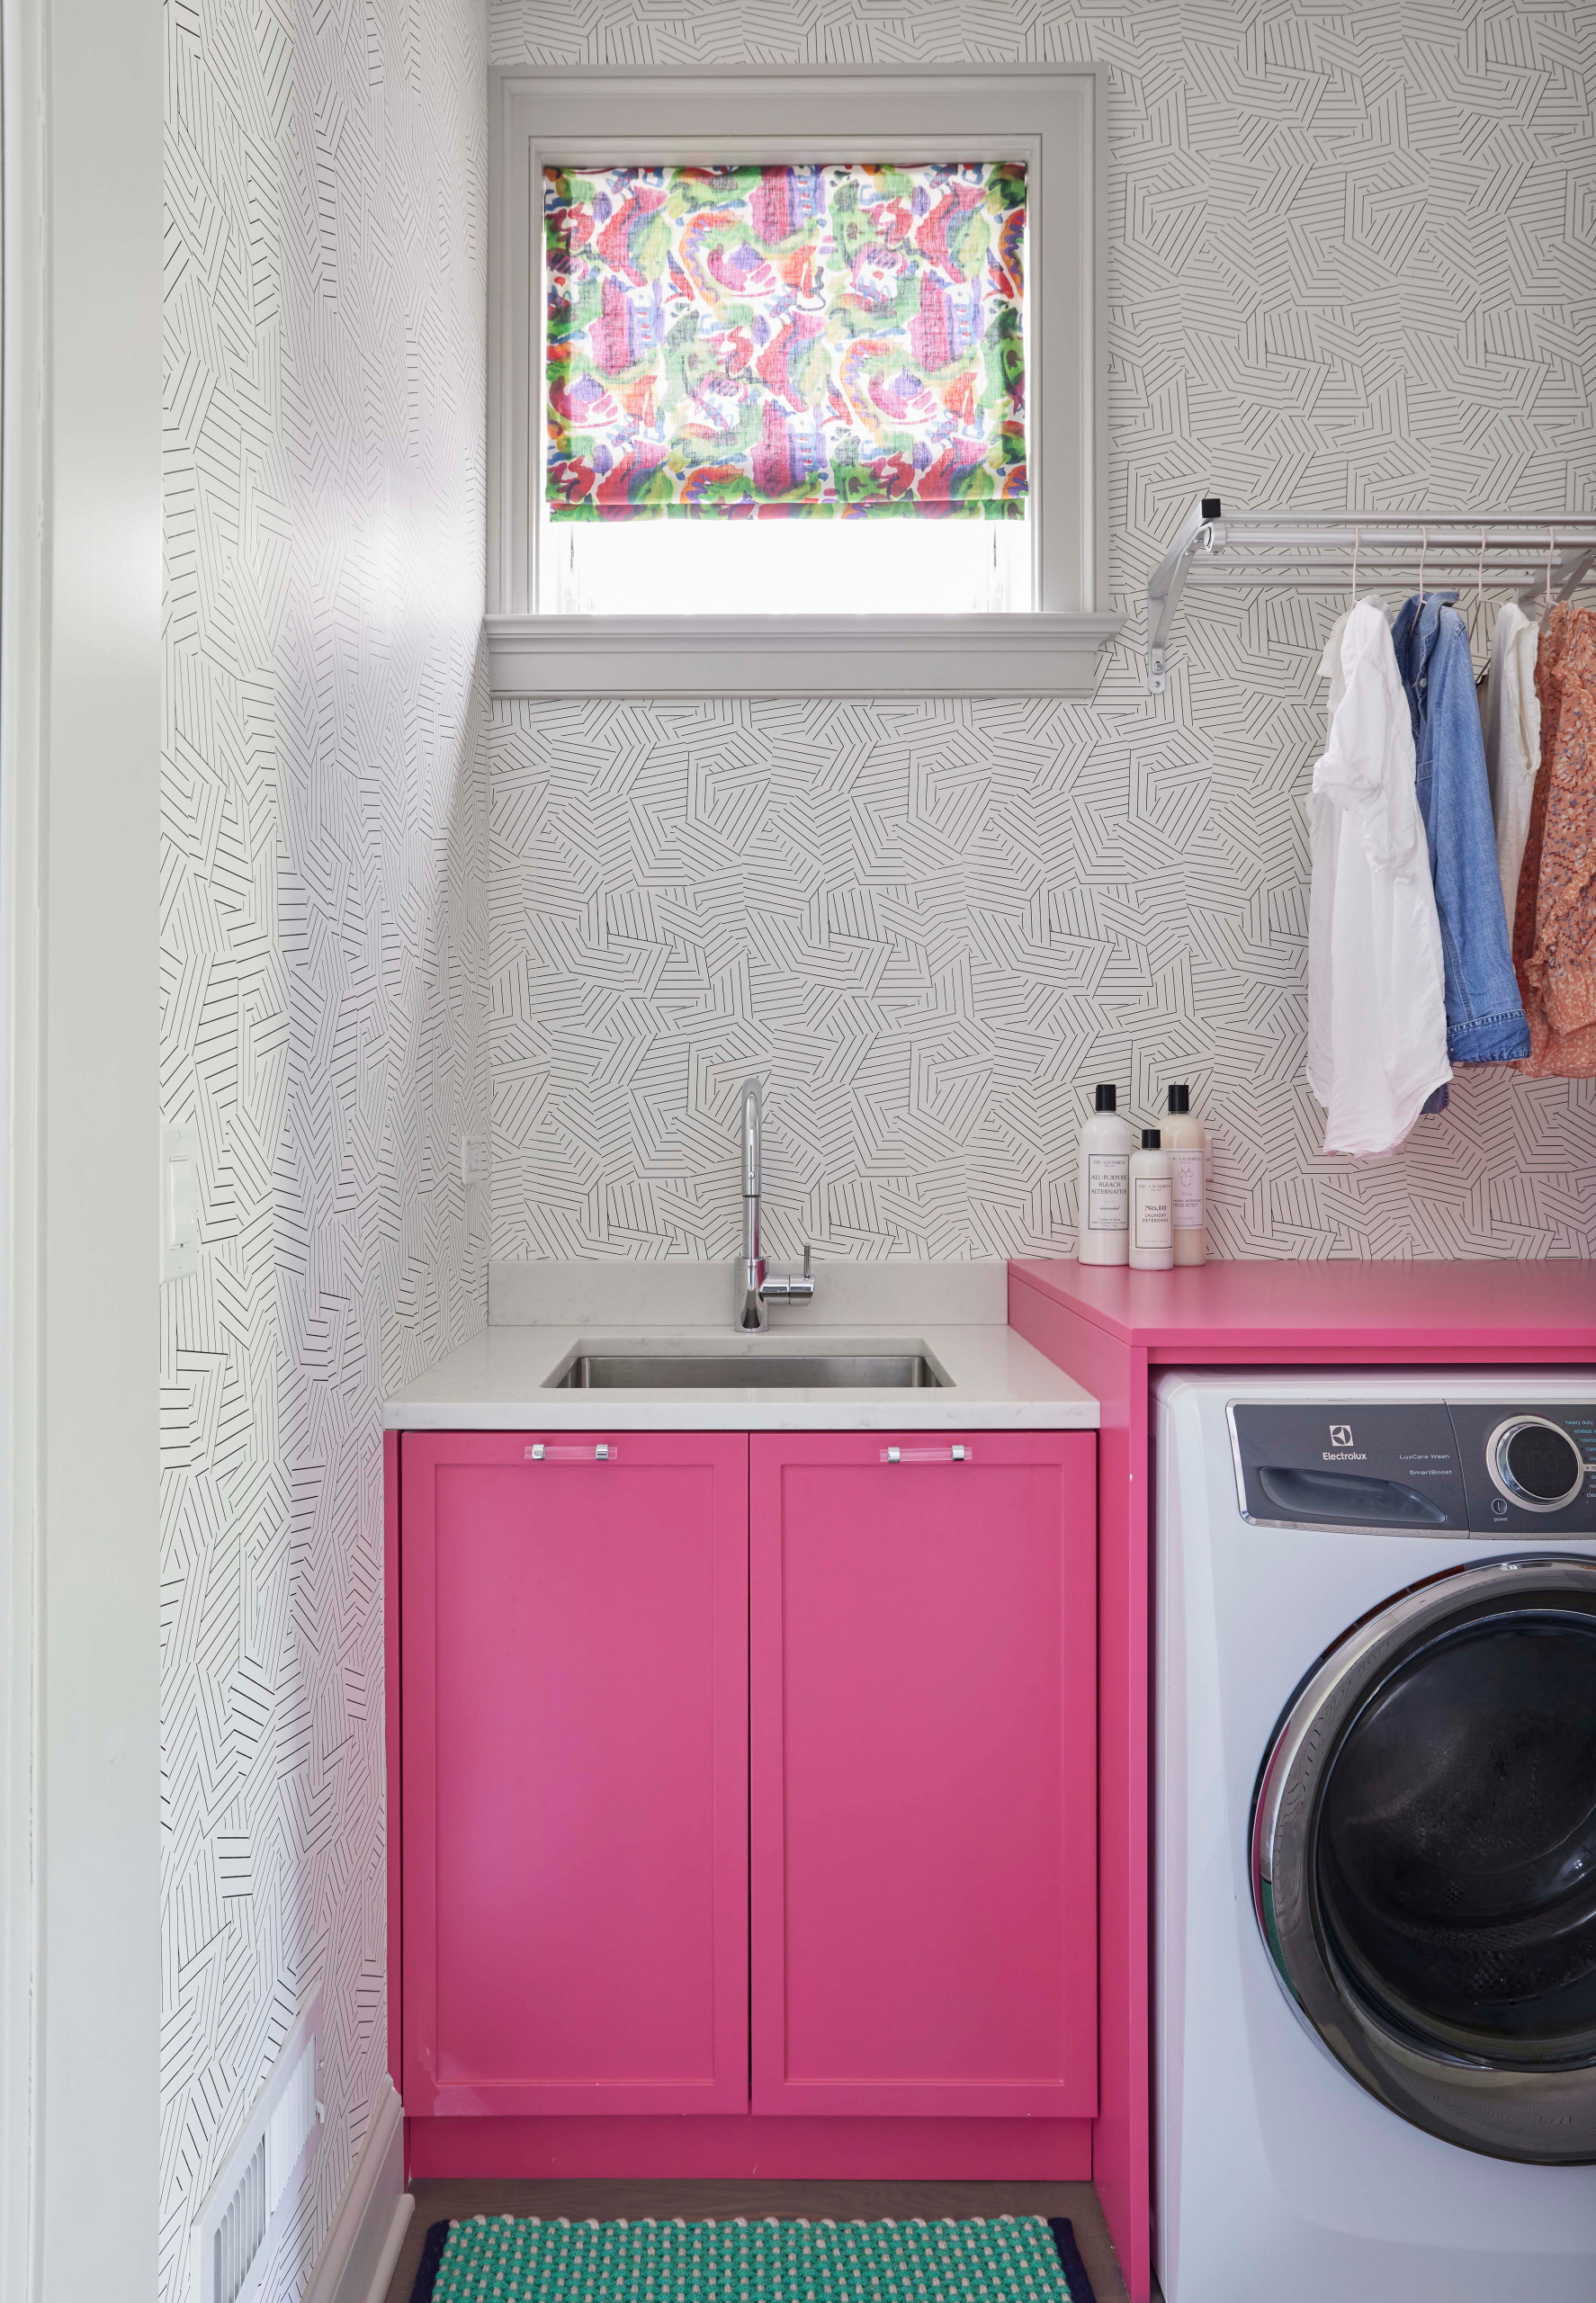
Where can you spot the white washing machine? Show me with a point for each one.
(1374, 1881)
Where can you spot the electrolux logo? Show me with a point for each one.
(1340, 1449)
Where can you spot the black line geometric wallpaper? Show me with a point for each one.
(1352, 260)
(323, 944)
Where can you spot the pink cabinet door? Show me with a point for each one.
(574, 1645)
(923, 1768)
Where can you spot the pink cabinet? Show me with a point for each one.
(574, 1754)
(923, 1815)
(581, 1843)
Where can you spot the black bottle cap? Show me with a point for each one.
(1108, 1100)
(1152, 1139)
(1179, 1096)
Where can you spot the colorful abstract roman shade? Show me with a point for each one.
(773, 343)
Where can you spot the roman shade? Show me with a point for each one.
(785, 342)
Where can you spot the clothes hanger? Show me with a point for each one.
(1483, 673)
(1341, 624)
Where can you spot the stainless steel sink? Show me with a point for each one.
(740, 1371)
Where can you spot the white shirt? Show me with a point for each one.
(1513, 742)
(1377, 988)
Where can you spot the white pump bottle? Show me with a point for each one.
(1153, 1205)
(1186, 1142)
(1102, 1198)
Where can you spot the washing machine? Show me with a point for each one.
(1375, 1848)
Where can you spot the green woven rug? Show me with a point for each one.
(1011, 2259)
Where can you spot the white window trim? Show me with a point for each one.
(1053, 117)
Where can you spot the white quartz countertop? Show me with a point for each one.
(992, 1380)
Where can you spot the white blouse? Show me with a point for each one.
(1377, 986)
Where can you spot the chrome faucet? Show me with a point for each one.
(757, 1289)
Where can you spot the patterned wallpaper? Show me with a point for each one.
(324, 956)
(1352, 260)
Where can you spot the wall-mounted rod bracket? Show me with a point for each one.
(1538, 559)
(1198, 532)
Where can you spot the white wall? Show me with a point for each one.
(323, 959)
(1349, 264)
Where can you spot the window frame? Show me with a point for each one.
(1050, 116)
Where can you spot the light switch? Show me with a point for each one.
(180, 1201)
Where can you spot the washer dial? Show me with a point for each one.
(1534, 1464)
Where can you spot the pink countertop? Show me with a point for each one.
(1420, 1308)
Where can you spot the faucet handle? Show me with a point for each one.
(808, 1251)
(784, 1287)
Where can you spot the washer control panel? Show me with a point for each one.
(1530, 1467)
(1418, 1466)
(1535, 1463)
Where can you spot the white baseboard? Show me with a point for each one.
(392, 2246)
(359, 2253)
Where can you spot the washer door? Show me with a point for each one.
(1423, 1856)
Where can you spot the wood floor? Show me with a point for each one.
(436, 2201)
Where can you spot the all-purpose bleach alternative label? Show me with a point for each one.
(1107, 1187)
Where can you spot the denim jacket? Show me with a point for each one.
(1484, 1014)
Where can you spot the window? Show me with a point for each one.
(796, 383)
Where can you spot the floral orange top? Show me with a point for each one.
(1555, 922)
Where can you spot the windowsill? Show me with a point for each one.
(812, 655)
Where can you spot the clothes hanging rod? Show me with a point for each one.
(1319, 551)
(1331, 574)
(1334, 580)
(1467, 524)
(1248, 568)
(1402, 542)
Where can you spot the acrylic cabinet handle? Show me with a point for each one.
(606, 1452)
(958, 1454)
